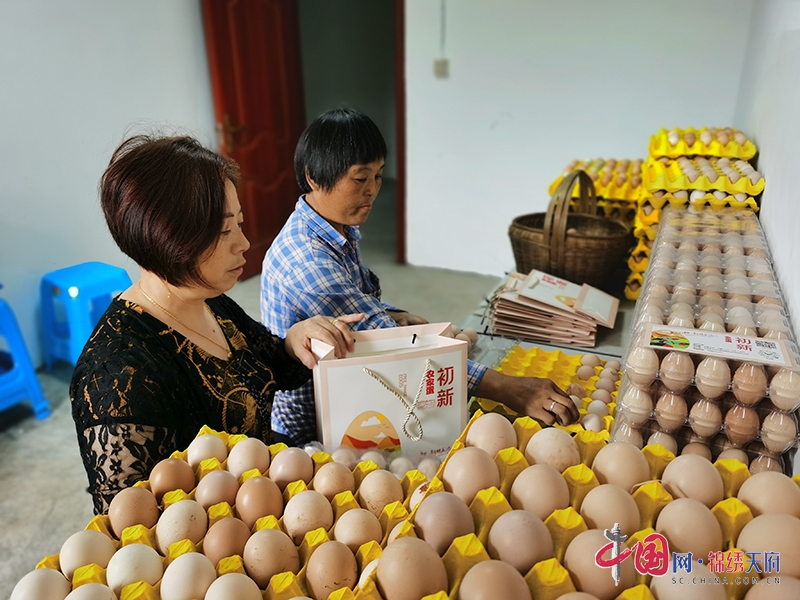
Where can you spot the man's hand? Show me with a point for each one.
(540, 399)
(404, 318)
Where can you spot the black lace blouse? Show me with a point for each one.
(141, 390)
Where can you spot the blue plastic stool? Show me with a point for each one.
(18, 381)
(73, 300)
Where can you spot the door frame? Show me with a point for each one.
(400, 126)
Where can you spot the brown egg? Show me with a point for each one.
(697, 448)
(307, 511)
(642, 366)
(184, 520)
(692, 476)
(608, 504)
(410, 555)
(206, 446)
(554, 447)
(622, 464)
(579, 560)
(778, 431)
(132, 506)
(171, 474)
(636, 405)
(493, 579)
(764, 463)
(605, 383)
(585, 372)
(705, 418)
(346, 456)
(227, 537)
(539, 489)
(291, 464)
(677, 370)
(789, 589)
(690, 526)
(591, 360)
(442, 517)
(665, 440)
(741, 424)
(613, 364)
(333, 478)
(331, 567)
(469, 471)
(267, 553)
(379, 489)
(602, 395)
(625, 432)
(784, 390)
(749, 383)
(712, 377)
(249, 453)
(217, 486)
(491, 432)
(671, 411)
(357, 526)
(735, 454)
(770, 492)
(575, 389)
(519, 538)
(671, 587)
(258, 497)
(777, 534)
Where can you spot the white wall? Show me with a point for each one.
(536, 83)
(75, 77)
(769, 111)
(348, 61)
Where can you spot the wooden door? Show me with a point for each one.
(256, 80)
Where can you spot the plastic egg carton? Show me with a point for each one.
(707, 141)
(701, 406)
(613, 179)
(715, 199)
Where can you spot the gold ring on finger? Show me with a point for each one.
(334, 322)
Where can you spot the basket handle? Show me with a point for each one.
(555, 220)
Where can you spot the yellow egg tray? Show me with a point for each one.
(660, 146)
(611, 189)
(633, 285)
(613, 209)
(709, 199)
(637, 262)
(669, 177)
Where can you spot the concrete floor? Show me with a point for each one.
(43, 498)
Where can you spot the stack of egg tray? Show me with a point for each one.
(665, 183)
(617, 185)
(549, 579)
(711, 271)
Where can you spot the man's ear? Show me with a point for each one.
(311, 183)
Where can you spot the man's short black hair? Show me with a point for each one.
(334, 142)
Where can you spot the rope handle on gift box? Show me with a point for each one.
(409, 407)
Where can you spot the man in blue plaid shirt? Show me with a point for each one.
(314, 268)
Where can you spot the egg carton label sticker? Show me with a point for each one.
(724, 345)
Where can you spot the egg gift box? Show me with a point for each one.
(402, 390)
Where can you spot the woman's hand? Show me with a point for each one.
(403, 318)
(540, 399)
(331, 331)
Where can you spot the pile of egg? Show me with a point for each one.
(468, 335)
(616, 182)
(707, 136)
(710, 271)
(220, 519)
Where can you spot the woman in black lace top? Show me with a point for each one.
(172, 353)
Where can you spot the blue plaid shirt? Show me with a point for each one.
(311, 269)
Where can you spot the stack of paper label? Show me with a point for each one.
(541, 307)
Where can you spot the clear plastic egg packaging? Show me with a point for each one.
(240, 512)
(706, 141)
(719, 403)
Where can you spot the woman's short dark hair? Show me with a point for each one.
(334, 142)
(164, 203)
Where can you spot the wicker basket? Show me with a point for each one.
(587, 253)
